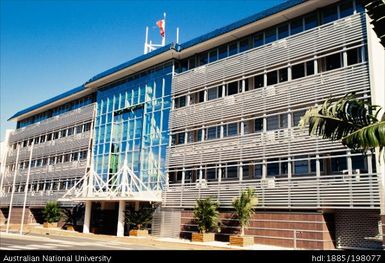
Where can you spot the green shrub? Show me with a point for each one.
(206, 215)
(51, 212)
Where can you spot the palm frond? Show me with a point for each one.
(206, 214)
(337, 119)
(367, 137)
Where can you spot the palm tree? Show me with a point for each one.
(243, 206)
(206, 214)
(51, 212)
(356, 123)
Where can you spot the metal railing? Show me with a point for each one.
(306, 192)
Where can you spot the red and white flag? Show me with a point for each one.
(160, 24)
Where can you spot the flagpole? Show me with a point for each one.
(164, 29)
(145, 44)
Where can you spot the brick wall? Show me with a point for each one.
(309, 230)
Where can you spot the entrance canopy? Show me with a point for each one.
(123, 185)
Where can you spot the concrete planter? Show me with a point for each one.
(50, 225)
(242, 241)
(202, 237)
(138, 232)
(70, 228)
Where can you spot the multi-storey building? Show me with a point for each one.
(210, 117)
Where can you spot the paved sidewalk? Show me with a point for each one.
(168, 243)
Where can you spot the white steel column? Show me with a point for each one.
(120, 231)
(317, 166)
(26, 188)
(87, 217)
(13, 188)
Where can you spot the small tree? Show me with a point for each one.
(51, 212)
(72, 215)
(206, 215)
(243, 206)
(141, 218)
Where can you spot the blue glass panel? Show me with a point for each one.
(329, 14)
(283, 31)
(233, 48)
(311, 21)
(270, 35)
(296, 26)
(346, 8)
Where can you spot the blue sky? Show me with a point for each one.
(48, 47)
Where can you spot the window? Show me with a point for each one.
(183, 65)
(277, 122)
(201, 96)
(233, 48)
(298, 71)
(354, 56)
(36, 140)
(273, 168)
(49, 137)
(301, 167)
(203, 59)
(297, 117)
(309, 68)
(211, 174)
(258, 171)
(66, 157)
(258, 81)
(42, 138)
(213, 55)
(79, 129)
(296, 26)
(329, 14)
(83, 155)
(63, 133)
(258, 40)
(272, 78)
(222, 52)
(346, 9)
(214, 93)
(87, 127)
(180, 102)
(70, 131)
(213, 133)
(244, 45)
(283, 31)
(270, 35)
(232, 88)
(180, 138)
(272, 122)
(258, 125)
(330, 62)
(230, 130)
(232, 172)
(311, 21)
(191, 63)
(339, 164)
(282, 74)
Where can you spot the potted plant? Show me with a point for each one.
(138, 220)
(51, 214)
(72, 215)
(206, 216)
(243, 206)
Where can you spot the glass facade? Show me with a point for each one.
(132, 124)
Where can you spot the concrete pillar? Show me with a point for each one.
(87, 217)
(120, 229)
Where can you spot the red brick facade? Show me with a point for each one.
(309, 230)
